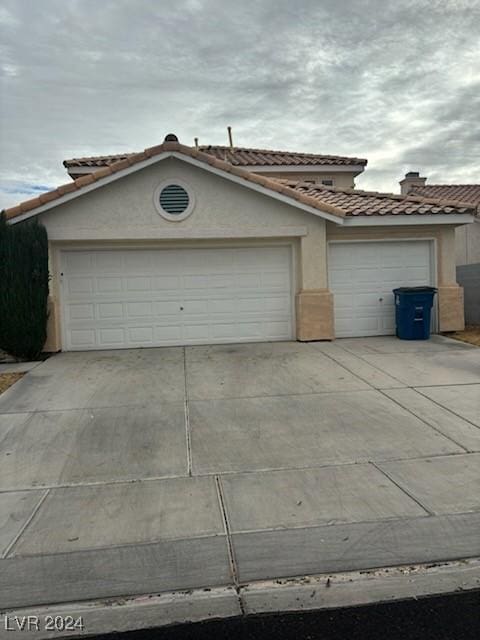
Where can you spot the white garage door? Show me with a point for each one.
(362, 276)
(141, 298)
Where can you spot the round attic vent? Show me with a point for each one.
(171, 137)
(174, 200)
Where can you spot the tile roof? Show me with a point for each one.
(97, 176)
(243, 157)
(461, 192)
(355, 202)
(337, 202)
(96, 161)
(238, 157)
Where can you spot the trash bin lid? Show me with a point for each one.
(415, 290)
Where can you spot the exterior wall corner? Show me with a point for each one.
(315, 320)
(451, 315)
(53, 342)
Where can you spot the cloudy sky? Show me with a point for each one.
(394, 81)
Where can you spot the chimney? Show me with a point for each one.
(412, 179)
(230, 139)
(196, 143)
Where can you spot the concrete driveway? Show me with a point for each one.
(145, 471)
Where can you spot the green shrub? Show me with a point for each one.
(23, 288)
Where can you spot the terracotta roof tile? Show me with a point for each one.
(465, 193)
(71, 186)
(236, 156)
(355, 202)
(47, 197)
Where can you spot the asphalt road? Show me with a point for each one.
(452, 617)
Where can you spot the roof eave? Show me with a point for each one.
(411, 219)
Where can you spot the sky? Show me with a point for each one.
(394, 81)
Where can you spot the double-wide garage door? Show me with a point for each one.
(362, 276)
(154, 297)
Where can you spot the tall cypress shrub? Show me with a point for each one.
(23, 288)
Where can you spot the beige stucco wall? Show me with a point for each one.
(342, 180)
(124, 209)
(467, 243)
(225, 214)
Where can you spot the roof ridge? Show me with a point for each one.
(224, 148)
(280, 151)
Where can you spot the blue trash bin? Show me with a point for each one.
(413, 307)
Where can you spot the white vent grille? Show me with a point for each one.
(174, 199)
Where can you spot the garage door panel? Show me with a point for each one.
(140, 335)
(111, 337)
(107, 284)
(81, 285)
(362, 276)
(166, 283)
(79, 262)
(107, 261)
(81, 311)
(110, 310)
(154, 297)
(139, 309)
(167, 334)
(82, 338)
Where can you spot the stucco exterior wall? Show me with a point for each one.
(124, 210)
(342, 180)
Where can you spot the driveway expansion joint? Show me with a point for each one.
(410, 495)
(429, 424)
(230, 549)
(27, 523)
(188, 434)
(418, 390)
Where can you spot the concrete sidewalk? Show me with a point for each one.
(146, 471)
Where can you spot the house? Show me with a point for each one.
(186, 245)
(467, 242)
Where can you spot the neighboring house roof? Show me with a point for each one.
(461, 192)
(355, 202)
(332, 203)
(238, 157)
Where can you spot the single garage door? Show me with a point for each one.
(362, 276)
(144, 298)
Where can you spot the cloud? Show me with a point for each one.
(13, 191)
(396, 82)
